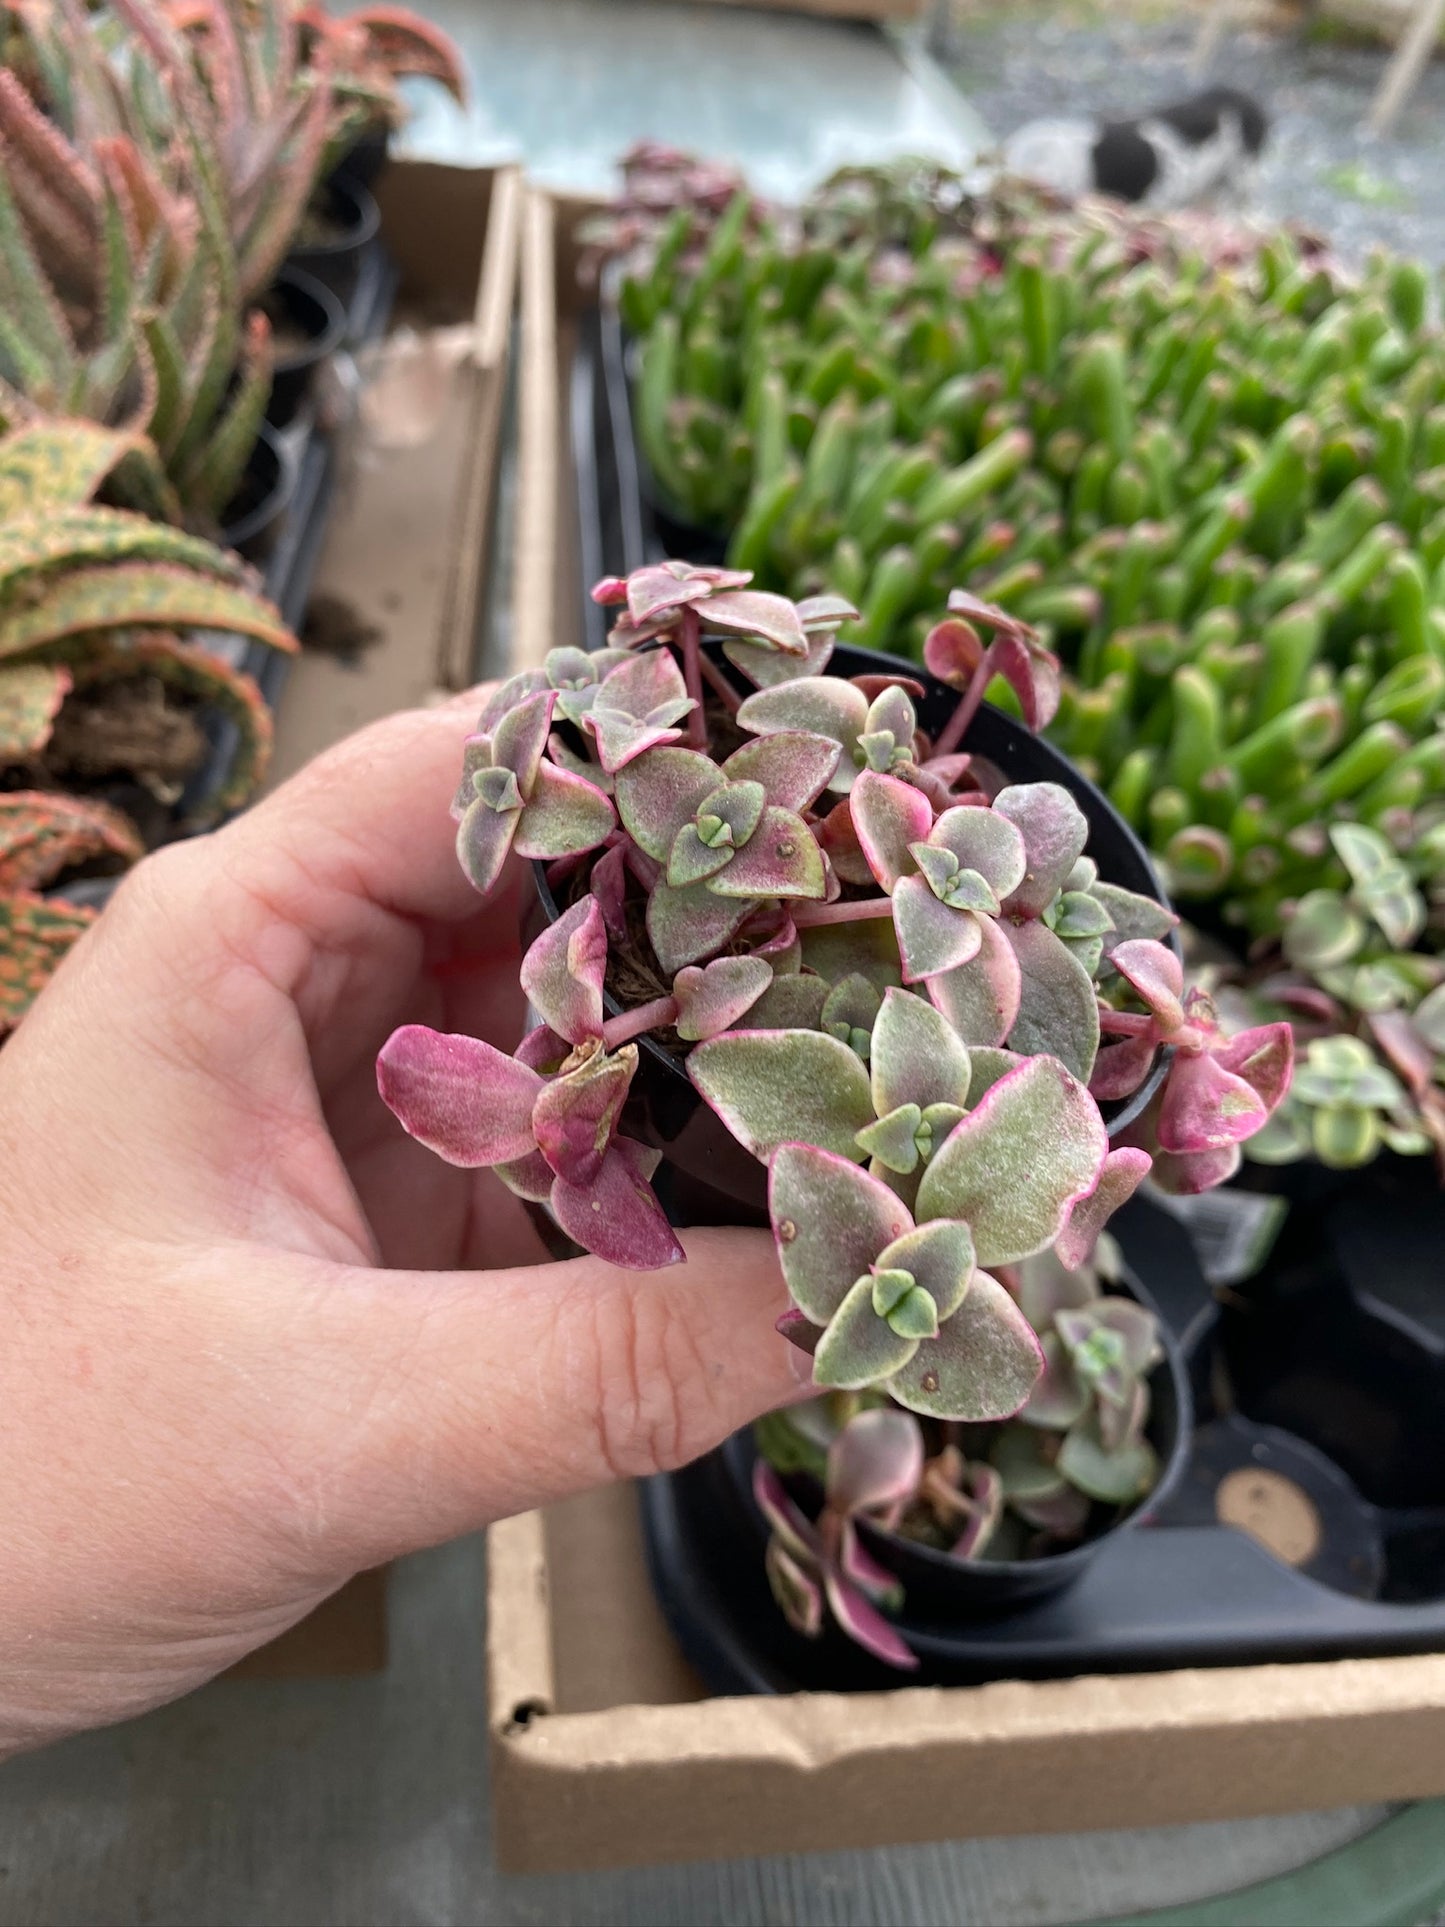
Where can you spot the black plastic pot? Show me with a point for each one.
(252, 520)
(364, 160)
(299, 300)
(350, 208)
(707, 1177)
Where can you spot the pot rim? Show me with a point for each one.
(276, 497)
(360, 212)
(1131, 1108)
(293, 280)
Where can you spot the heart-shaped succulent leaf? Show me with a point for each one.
(1054, 831)
(563, 972)
(712, 999)
(686, 926)
(793, 766)
(889, 817)
(636, 707)
(982, 1365)
(817, 706)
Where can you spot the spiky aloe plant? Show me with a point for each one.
(92, 595)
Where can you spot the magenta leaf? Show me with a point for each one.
(1054, 830)
(1122, 1173)
(1264, 1058)
(457, 1095)
(563, 972)
(1058, 1007)
(530, 1177)
(889, 815)
(1014, 1166)
(1157, 975)
(615, 1215)
(822, 614)
(864, 1624)
(982, 1365)
(713, 999)
(830, 1221)
(952, 651)
(575, 1116)
(636, 706)
(664, 586)
(608, 884)
(1119, 1069)
(981, 999)
(1187, 1174)
(798, 1594)
(770, 1086)
(1205, 1106)
(838, 840)
(793, 766)
(1032, 673)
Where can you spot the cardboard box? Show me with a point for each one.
(407, 543)
(607, 1750)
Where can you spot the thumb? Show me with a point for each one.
(488, 1393)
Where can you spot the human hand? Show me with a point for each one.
(257, 1339)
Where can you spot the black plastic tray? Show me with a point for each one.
(1319, 1388)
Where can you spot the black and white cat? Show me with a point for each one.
(1195, 151)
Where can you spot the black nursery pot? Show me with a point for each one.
(298, 300)
(252, 519)
(349, 208)
(366, 157)
(706, 1176)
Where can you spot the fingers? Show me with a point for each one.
(489, 1393)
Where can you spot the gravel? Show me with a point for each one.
(1318, 167)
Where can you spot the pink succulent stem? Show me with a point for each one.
(1124, 1023)
(720, 686)
(807, 916)
(951, 735)
(657, 1015)
(692, 676)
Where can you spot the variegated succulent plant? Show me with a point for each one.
(89, 597)
(886, 972)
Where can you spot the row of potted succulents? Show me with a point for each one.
(166, 177)
(1208, 467)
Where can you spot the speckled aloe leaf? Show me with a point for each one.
(932, 936)
(686, 926)
(615, 1215)
(757, 612)
(129, 594)
(711, 1000)
(779, 859)
(76, 536)
(1058, 1007)
(1117, 1478)
(981, 1366)
(1206, 1107)
(575, 1116)
(859, 1348)
(765, 667)
(830, 1221)
(917, 1057)
(1153, 970)
(660, 792)
(563, 971)
(985, 841)
(792, 766)
(771, 1086)
(30, 697)
(35, 933)
(819, 706)
(43, 833)
(938, 1256)
(875, 1462)
(1014, 1166)
(564, 816)
(60, 464)
(889, 816)
(981, 999)
(1054, 830)
(1123, 1172)
(464, 1100)
(1060, 1398)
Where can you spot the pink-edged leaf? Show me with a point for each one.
(779, 859)
(563, 972)
(859, 1348)
(476, 756)
(764, 667)
(981, 999)
(1187, 1174)
(799, 1595)
(1133, 916)
(1032, 673)
(464, 1100)
(687, 926)
(1054, 830)
(858, 1565)
(888, 816)
(785, 1519)
(520, 738)
(531, 1177)
(830, 1221)
(484, 838)
(609, 590)
(865, 1625)
(1403, 1045)
(615, 1215)
(1206, 1107)
(1016, 1164)
(1119, 1069)
(916, 1056)
(563, 756)
(875, 1462)
(819, 706)
(932, 937)
(793, 766)
(636, 708)
(542, 1050)
(770, 1086)
(838, 840)
(621, 739)
(1123, 1172)
(608, 884)
(983, 840)
(982, 1365)
(798, 1330)
(825, 612)
(757, 612)
(1058, 1007)
(938, 1256)
(713, 999)
(663, 586)
(1060, 1397)
(575, 1116)
(1153, 970)
(565, 816)
(952, 651)
(660, 792)
(1264, 1058)
(527, 682)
